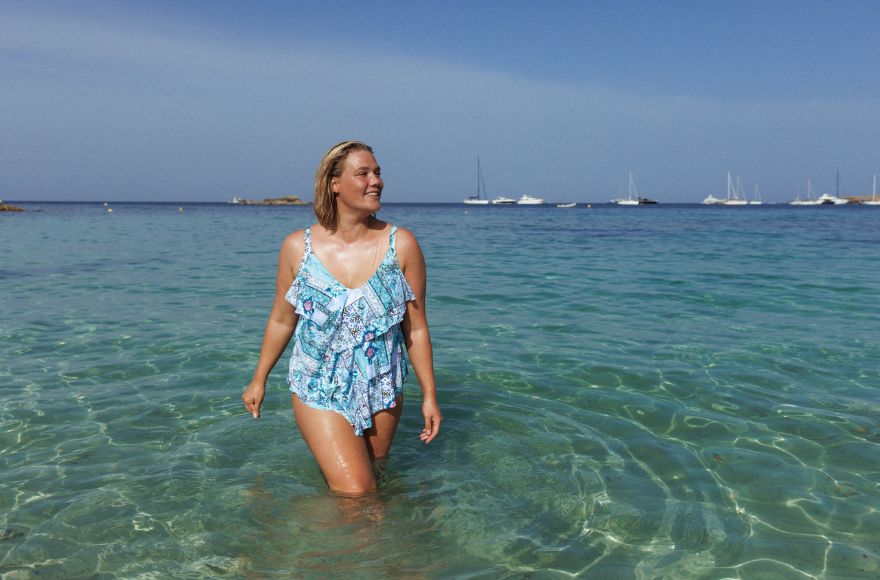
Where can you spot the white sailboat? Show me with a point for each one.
(632, 196)
(873, 200)
(734, 193)
(481, 186)
(712, 200)
(757, 199)
(811, 200)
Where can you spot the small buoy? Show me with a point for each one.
(180, 209)
(109, 210)
(105, 204)
(589, 205)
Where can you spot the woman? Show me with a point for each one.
(351, 292)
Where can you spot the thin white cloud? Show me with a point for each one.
(149, 115)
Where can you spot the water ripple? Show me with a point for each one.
(679, 392)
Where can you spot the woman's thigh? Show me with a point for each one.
(380, 436)
(343, 457)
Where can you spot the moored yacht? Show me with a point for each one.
(811, 200)
(481, 188)
(501, 200)
(836, 199)
(632, 196)
(757, 198)
(734, 193)
(873, 200)
(529, 200)
(828, 199)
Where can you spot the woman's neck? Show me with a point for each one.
(351, 228)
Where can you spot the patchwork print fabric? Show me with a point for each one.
(348, 348)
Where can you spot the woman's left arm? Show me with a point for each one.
(415, 330)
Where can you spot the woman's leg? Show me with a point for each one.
(380, 436)
(343, 457)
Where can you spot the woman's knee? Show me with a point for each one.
(355, 489)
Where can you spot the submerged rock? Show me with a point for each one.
(7, 534)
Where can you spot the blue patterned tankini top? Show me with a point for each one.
(348, 348)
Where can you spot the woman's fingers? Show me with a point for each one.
(431, 413)
(432, 427)
(252, 401)
(252, 407)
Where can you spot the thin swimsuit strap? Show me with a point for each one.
(392, 238)
(307, 247)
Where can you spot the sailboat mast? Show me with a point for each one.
(479, 175)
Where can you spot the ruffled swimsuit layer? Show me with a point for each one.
(348, 350)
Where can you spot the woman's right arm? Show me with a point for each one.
(281, 324)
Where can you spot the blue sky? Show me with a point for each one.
(201, 101)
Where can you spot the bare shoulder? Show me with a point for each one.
(295, 239)
(293, 248)
(407, 246)
(405, 241)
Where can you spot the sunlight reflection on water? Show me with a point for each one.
(626, 394)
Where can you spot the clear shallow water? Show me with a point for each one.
(628, 392)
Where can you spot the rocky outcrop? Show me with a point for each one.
(285, 200)
(8, 207)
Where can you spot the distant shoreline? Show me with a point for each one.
(284, 200)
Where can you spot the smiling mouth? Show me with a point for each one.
(374, 194)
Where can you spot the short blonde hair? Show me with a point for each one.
(331, 166)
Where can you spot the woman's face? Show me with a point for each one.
(360, 185)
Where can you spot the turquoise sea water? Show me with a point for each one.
(670, 391)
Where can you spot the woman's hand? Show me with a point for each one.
(431, 412)
(253, 398)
